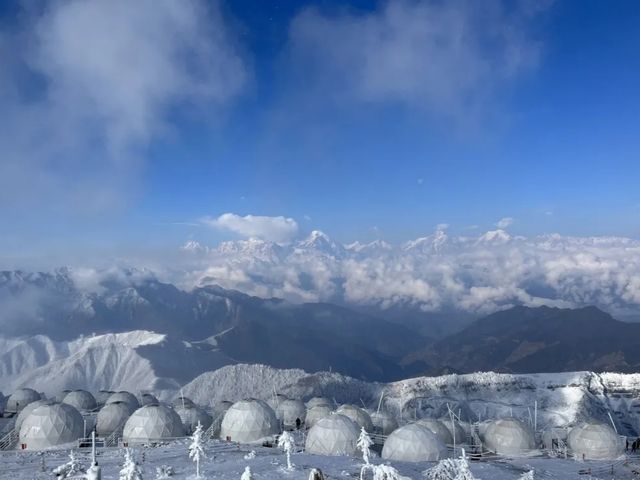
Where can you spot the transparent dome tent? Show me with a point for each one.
(438, 428)
(333, 435)
(594, 441)
(190, 415)
(316, 413)
(148, 399)
(50, 426)
(20, 399)
(358, 415)
(26, 411)
(152, 423)
(291, 411)
(413, 443)
(112, 417)
(317, 401)
(383, 422)
(249, 421)
(509, 437)
(124, 396)
(81, 400)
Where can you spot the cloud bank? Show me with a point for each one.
(477, 274)
(86, 85)
(275, 229)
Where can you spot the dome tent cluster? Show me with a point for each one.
(330, 429)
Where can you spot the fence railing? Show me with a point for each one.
(9, 440)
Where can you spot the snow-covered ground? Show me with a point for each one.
(270, 463)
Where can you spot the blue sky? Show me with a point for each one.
(349, 119)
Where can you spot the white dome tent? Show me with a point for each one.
(183, 401)
(20, 399)
(151, 423)
(275, 401)
(191, 415)
(127, 397)
(458, 434)
(249, 421)
(81, 400)
(413, 443)
(222, 406)
(50, 426)
(333, 435)
(482, 428)
(26, 411)
(102, 397)
(148, 399)
(289, 411)
(317, 401)
(316, 413)
(508, 436)
(438, 428)
(383, 423)
(594, 441)
(218, 411)
(358, 415)
(112, 417)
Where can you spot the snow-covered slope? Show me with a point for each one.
(561, 398)
(135, 361)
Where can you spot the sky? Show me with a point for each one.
(131, 126)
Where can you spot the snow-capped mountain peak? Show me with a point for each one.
(320, 242)
(498, 236)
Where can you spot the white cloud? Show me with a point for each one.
(504, 222)
(446, 57)
(275, 229)
(86, 85)
(438, 272)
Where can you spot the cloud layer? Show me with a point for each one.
(435, 273)
(275, 229)
(91, 83)
(445, 57)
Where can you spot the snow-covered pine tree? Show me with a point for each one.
(130, 469)
(316, 474)
(364, 445)
(387, 472)
(72, 467)
(196, 451)
(450, 469)
(287, 443)
(247, 475)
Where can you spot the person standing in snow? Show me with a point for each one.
(298, 423)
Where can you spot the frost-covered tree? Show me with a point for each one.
(527, 476)
(196, 452)
(364, 445)
(387, 472)
(163, 472)
(72, 467)
(93, 473)
(287, 443)
(130, 469)
(451, 469)
(247, 475)
(316, 474)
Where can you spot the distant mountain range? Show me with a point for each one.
(528, 340)
(211, 326)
